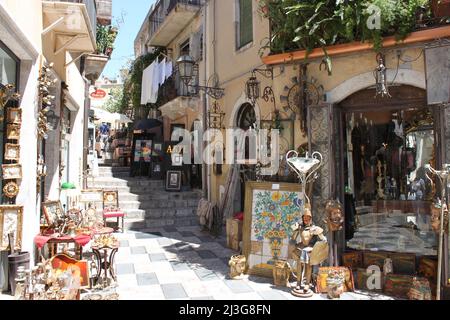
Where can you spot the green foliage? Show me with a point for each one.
(106, 36)
(116, 101)
(309, 24)
(133, 84)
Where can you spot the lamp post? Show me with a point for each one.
(186, 67)
(443, 176)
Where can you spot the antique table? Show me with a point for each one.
(52, 241)
(105, 255)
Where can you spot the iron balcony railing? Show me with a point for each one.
(163, 8)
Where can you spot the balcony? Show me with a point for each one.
(104, 12)
(169, 18)
(74, 24)
(177, 99)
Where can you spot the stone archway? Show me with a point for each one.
(242, 100)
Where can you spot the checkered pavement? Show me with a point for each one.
(188, 264)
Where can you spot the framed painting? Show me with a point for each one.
(79, 268)
(157, 149)
(271, 211)
(110, 199)
(374, 259)
(52, 212)
(14, 116)
(363, 279)
(428, 267)
(13, 132)
(404, 263)
(397, 285)
(91, 196)
(11, 222)
(352, 260)
(322, 277)
(12, 152)
(12, 171)
(173, 181)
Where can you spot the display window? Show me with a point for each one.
(386, 155)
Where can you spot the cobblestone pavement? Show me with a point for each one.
(188, 264)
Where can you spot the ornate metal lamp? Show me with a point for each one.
(215, 116)
(186, 66)
(306, 168)
(253, 89)
(443, 176)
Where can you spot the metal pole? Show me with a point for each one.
(441, 240)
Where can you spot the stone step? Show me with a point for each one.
(170, 213)
(122, 183)
(177, 222)
(126, 196)
(159, 204)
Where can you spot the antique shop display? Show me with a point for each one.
(420, 290)
(443, 176)
(12, 152)
(7, 93)
(335, 284)
(397, 285)
(238, 267)
(59, 278)
(13, 132)
(281, 273)
(11, 190)
(173, 181)
(403, 263)
(336, 274)
(352, 260)
(105, 248)
(91, 196)
(53, 212)
(311, 250)
(12, 171)
(270, 212)
(335, 218)
(11, 222)
(14, 116)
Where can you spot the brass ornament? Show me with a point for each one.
(11, 190)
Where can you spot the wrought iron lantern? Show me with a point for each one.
(253, 88)
(186, 66)
(380, 74)
(216, 116)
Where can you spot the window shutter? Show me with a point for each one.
(245, 22)
(195, 45)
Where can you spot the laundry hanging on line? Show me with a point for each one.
(154, 76)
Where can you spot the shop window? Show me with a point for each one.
(386, 155)
(244, 25)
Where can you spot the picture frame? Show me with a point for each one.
(157, 171)
(91, 196)
(173, 181)
(11, 221)
(157, 149)
(110, 199)
(14, 116)
(13, 132)
(12, 152)
(352, 259)
(404, 263)
(63, 262)
(11, 171)
(177, 160)
(374, 259)
(322, 276)
(266, 238)
(397, 285)
(53, 212)
(362, 277)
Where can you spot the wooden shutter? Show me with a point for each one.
(245, 22)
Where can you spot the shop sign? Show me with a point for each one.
(98, 94)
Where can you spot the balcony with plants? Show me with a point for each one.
(319, 26)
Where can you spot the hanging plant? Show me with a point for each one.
(306, 25)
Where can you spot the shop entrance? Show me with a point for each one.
(388, 195)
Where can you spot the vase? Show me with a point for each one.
(238, 266)
(335, 288)
(275, 248)
(281, 273)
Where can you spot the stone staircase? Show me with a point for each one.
(146, 203)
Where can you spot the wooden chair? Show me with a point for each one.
(111, 208)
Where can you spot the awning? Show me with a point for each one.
(179, 107)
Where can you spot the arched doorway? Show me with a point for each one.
(386, 144)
